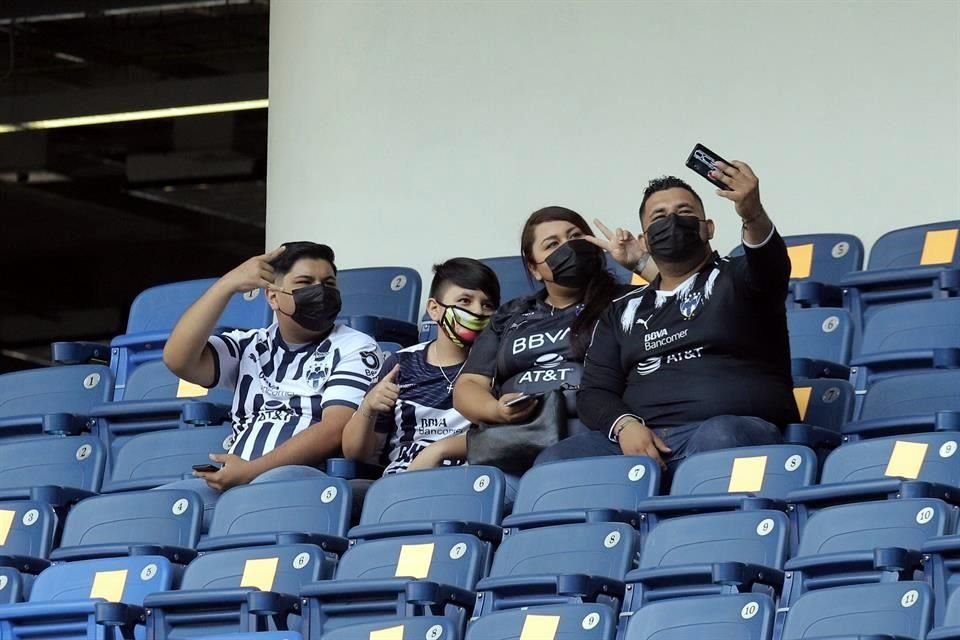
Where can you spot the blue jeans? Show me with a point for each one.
(721, 432)
(209, 496)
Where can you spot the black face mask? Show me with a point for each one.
(675, 238)
(316, 307)
(573, 264)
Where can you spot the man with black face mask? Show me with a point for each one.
(297, 382)
(700, 358)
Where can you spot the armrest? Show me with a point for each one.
(189, 411)
(333, 544)
(588, 587)
(813, 368)
(945, 277)
(812, 436)
(943, 545)
(483, 531)
(901, 425)
(569, 516)
(353, 469)
(52, 495)
(79, 352)
(117, 614)
(883, 559)
(844, 492)
(141, 341)
(816, 294)
(197, 598)
(177, 555)
(34, 611)
(138, 484)
(721, 573)
(58, 424)
(679, 505)
(25, 564)
(944, 358)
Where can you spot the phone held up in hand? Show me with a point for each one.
(702, 160)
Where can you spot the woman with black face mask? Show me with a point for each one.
(536, 344)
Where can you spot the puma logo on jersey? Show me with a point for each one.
(644, 322)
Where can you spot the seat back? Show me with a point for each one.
(598, 549)
(154, 381)
(824, 402)
(745, 616)
(310, 505)
(768, 471)
(69, 389)
(564, 622)
(11, 585)
(453, 559)
(922, 324)
(168, 517)
(159, 308)
(755, 537)
(618, 482)
(431, 627)
(165, 455)
(128, 580)
(280, 568)
(912, 393)
(27, 528)
(465, 493)
(927, 456)
(918, 246)
(906, 523)
(902, 609)
(515, 280)
(821, 257)
(820, 334)
(76, 462)
(951, 617)
(385, 292)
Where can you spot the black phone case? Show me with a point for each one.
(702, 160)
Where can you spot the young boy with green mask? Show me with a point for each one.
(407, 420)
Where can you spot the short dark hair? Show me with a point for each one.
(467, 273)
(296, 251)
(662, 184)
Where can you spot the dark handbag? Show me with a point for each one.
(513, 447)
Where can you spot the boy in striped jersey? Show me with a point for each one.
(297, 382)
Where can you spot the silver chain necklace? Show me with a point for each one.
(444, 374)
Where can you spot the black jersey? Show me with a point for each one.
(716, 345)
(528, 347)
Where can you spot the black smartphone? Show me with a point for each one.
(525, 398)
(206, 468)
(702, 161)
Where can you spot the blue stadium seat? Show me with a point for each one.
(311, 510)
(908, 337)
(866, 542)
(710, 554)
(515, 280)
(382, 579)
(820, 261)
(426, 627)
(820, 341)
(606, 489)
(12, 587)
(909, 403)
(914, 263)
(949, 629)
(153, 459)
(466, 499)
(90, 600)
(564, 622)
(27, 531)
(747, 616)
(389, 348)
(620, 273)
(153, 315)
(156, 400)
(237, 591)
(54, 470)
(915, 466)
(52, 400)
(557, 565)
(890, 610)
(824, 402)
(382, 302)
(163, 522)
(730, 479)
